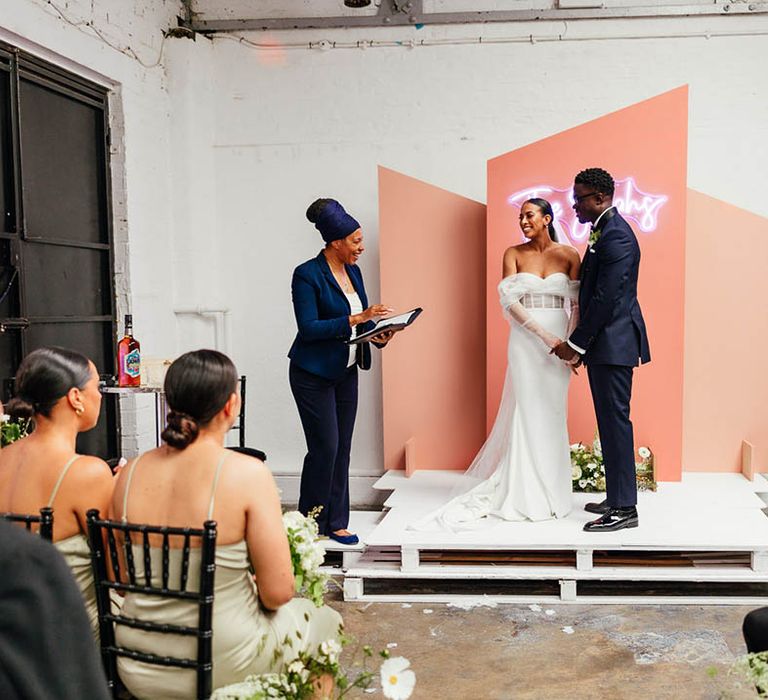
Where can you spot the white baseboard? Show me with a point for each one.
(361, 491)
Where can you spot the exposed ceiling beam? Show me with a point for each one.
(394, 13)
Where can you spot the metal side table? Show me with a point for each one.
(161, 406)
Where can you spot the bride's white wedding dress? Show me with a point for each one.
(523, 471)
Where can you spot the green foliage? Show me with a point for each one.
(12, 430)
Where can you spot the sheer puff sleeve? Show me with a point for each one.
(511, 291)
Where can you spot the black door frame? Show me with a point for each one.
(22, 65)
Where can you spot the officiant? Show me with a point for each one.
(331, 308)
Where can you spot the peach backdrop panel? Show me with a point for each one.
(645, 146)
(432, 254)
(726, 333)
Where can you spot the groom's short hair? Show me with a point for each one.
(598, 179)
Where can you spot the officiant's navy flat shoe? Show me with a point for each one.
(614, 519)
(344, 539)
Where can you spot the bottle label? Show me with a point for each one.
(132, 363)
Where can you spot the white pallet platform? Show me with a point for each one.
(704, 513)
(362, 523)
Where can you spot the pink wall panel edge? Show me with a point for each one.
(726, 330)
(432, 254)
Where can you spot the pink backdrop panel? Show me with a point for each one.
(432, 250)
(726, 331)
(645, 148)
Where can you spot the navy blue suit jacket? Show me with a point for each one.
(322, 316)
(611, 328)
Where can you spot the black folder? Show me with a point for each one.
(392, 323)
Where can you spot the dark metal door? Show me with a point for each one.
(56, 246)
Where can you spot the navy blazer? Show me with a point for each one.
(611, 328)
(322, 316)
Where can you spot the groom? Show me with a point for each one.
(610, 339)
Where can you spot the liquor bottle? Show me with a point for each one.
(128, 357)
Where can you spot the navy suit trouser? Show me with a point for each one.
(327, 410)
(611, 387)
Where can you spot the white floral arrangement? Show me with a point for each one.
(588, 468)
(307, 555)
(318, 674)
(321, 676)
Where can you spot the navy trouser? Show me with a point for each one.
(611, 387)
(327, 410)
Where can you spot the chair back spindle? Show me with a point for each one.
(105, 531)
(44, 521)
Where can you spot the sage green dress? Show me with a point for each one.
(77, 554)
(246, 638)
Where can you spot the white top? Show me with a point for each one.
(355, 307)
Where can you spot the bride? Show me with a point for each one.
(523, 472)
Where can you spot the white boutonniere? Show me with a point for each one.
(594, 236)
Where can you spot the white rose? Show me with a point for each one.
(575, 472)
(644, 452)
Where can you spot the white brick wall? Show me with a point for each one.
(218, 152)
(295, 124)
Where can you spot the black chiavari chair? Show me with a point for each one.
(114, 569)
(44, 521)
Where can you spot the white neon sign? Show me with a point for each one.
(635, 205)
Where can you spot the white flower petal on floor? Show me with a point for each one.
(549, 612)
(397, 680)
(568, 630)
(534, 607)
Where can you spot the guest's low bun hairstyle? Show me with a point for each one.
(181, 430)
(20, 409)
(197, 386)
(43, 378)
(546, 210)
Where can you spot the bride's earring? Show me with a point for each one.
(79, 411)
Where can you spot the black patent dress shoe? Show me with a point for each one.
(598, 508)
(614, 519)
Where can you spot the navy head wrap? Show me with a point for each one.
(334, 223)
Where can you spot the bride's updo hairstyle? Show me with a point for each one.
(546, 210)
(197, 386)
(44, 377)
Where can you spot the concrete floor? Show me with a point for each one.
(511, 651)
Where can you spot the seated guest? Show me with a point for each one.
(191, 479)
(59, 390)
(46, 647)
(755, 630)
